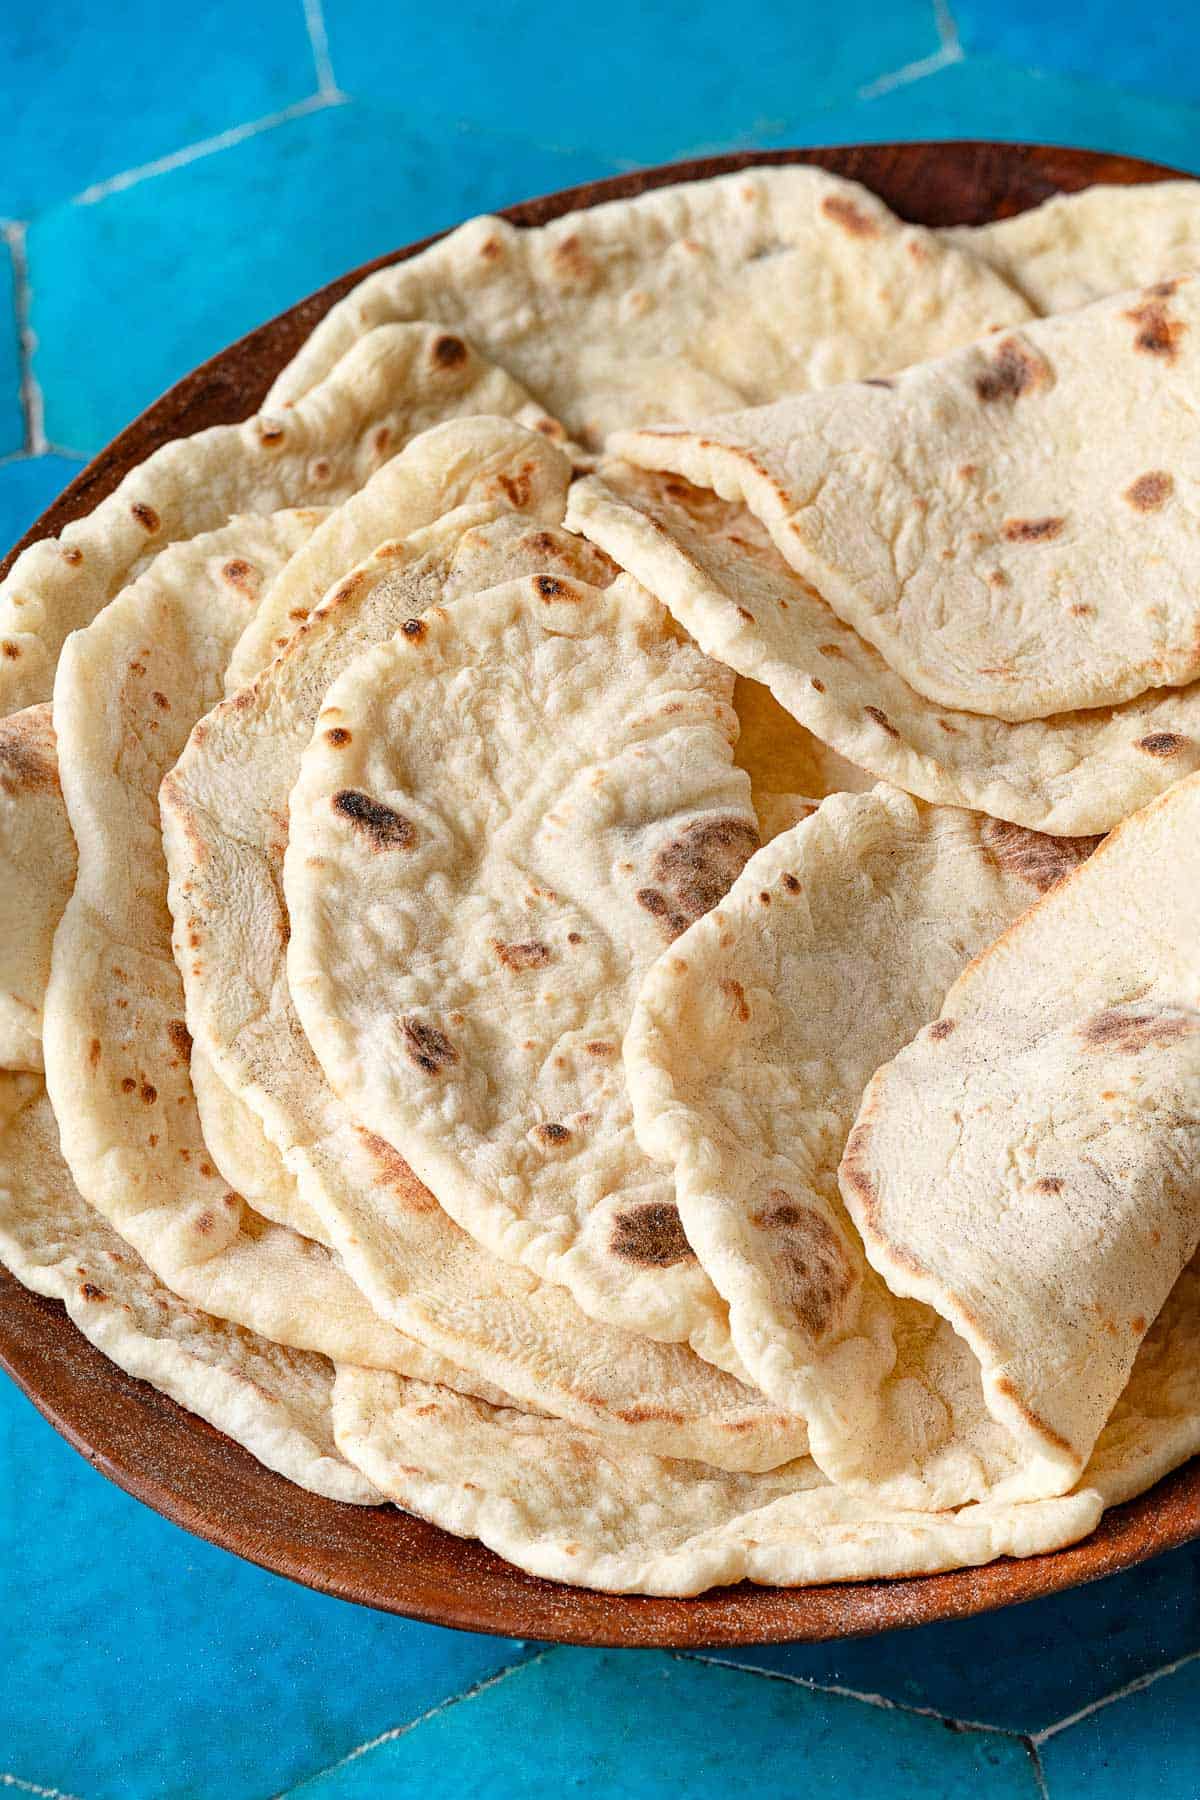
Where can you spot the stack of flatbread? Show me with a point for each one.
(599, 905)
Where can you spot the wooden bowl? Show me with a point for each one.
(192, 1474)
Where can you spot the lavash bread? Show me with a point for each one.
(276, 1403)
(569, 1507)
(1075, 248)
(1028, 1165)
(561, 1504)
(115, 1040)
(462, 462)
(37, 873)
(978, 520)
(713, 564)
(224, 816)
(686, 301)
(746, 1058)
(395, 383)
(533, 792)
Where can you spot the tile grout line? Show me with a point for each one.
(947, 29)
(1039, 1774)
(31, 1787)
(224, 140)
(48, 449)
(1136, 1686)
(32, 407)
(949, 52)
(945, 58)
(318, 37)
(881, 1701)
(399, 1731)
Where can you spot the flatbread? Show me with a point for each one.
(687, 301)
(37, 873)
(532, 793)
(245, 1156)
(276, 1403)
(562, 1505)
(222, 809)
(462, 460)
(1076, 248)
(1155, 1425)
(567, 1506)
(746, 1059)
(460, 463)
(987, 521)
(396, 383)
(779, 755)
(712, 562)
(790, 770)
(116, 1045)
(1055, 1102)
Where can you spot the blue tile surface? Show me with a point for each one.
(154, 1667)
(238, 243)
(1144, 1744)
(27, 486)
(12, 417)
(138, 1662)
(642, 81)
(609, 1725)
(1138, 47)
(91, 91)
(983, 97)
(1024, 1668)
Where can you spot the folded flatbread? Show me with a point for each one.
(683, 302)
(395, 383)
(37, 873)
(115, 1039)
(1075, 248)
(713, 564)
(276, 1403)
(746, 1059)
(567, 1506)
(980, 519)
(225, 815)
(1028, 1165)
(505, 813)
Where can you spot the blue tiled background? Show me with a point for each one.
(170, 176)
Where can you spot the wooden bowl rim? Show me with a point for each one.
(178, 1465)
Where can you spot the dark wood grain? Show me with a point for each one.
(195, 1476)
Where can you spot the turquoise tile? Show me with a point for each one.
(1147, 1744)
(985, 98)
(1149, 47)
(1023, 1668)
(90, 91)
(27, 486)
(142, 1664)
(12, 419)
(181, 264)
(647, 80)
(616, 1725)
